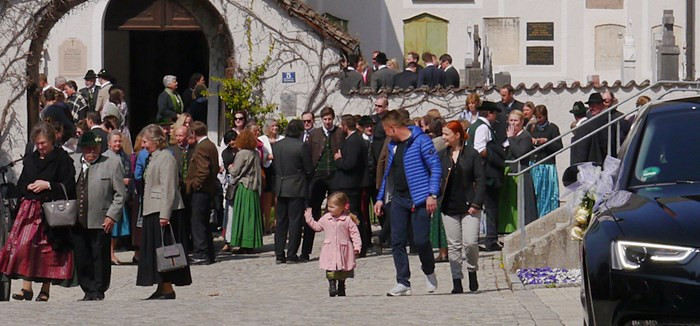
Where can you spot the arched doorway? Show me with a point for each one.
(146, 40)
(199, 22)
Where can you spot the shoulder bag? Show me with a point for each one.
(61, 213)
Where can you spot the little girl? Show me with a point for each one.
(341, 243)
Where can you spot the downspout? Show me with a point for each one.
(690, 39)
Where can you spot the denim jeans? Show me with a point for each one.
(402, 210)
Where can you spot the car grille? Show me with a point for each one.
(665, 322)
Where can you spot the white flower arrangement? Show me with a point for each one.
(592, 184)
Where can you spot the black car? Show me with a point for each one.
(639, 256)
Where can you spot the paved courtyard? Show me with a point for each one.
(251, 289)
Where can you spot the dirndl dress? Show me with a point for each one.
(244, 227)
(28, 254)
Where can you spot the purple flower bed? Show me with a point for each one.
(548, 275)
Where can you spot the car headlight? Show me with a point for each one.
(629, 255)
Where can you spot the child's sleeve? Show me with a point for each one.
(316, 226)
(355, 236)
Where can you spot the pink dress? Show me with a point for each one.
(342, 239)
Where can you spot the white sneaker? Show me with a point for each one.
(399, 290)
(431, 282)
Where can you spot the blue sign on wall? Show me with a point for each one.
(289, 77)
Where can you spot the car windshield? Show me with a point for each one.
(670, 150)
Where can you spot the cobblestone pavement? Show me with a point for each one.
(251, 289)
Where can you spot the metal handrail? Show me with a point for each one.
(605, 112)
(519, 174)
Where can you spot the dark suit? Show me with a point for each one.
(349, 80)
(166, 107)
(406, 79)
(382, 78)
(322, 182)
(431, 76)
(181, 218)
(202, 186)
(292, 170)
(90, 97)
(348, 179)
(451, 77)
(101, 187)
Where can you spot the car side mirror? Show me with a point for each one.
(570, 175)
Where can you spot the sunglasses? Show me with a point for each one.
(378, 106)
(308, 121)
(239, 118)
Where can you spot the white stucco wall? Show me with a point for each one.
(574, 27)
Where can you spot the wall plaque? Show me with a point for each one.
(72, 58)
(540, 55)
(540, 31)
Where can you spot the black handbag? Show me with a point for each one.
(171, 257)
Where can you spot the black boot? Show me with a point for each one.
(457, 286)
(332, 289)
(341, 288)
(473, 282)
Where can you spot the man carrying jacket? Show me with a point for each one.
(413, 173)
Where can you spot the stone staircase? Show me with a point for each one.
(548, 244)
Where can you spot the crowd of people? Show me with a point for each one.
(385, 73)
(426, 179)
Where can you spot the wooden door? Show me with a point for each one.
(423, 33)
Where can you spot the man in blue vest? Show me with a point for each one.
(412, 179)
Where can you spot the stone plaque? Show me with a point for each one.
(542, 31)
(605, 4)
(288, 104)
(540, 55)
(503, 40)
(72, 58)
(609, 40)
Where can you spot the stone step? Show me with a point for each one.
(539, 227)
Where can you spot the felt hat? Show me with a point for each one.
(89, 139)
(90, 75)
(488, 106)
(595, 98)
(578, 108)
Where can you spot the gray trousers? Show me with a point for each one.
(462, 240)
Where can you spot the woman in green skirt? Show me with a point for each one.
(244, 227)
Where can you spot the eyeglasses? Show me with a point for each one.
(239, 118)
(308, 121)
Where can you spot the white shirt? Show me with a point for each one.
(201, 140)
(327, 131)
(482, 135)
(580, 122)
(267, 149)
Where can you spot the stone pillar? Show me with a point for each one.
(473, 74)
(629, 56)
(667, 51)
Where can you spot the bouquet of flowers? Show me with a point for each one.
(592, 184)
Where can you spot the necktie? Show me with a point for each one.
(184, 162)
